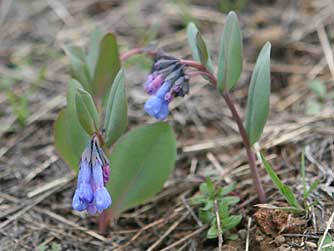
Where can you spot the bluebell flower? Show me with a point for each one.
(94, 172)
(157, 105)
(166, 81)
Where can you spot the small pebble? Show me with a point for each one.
(243, 234)
(279, 240)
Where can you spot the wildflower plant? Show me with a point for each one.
(208, 197)
(89, 132)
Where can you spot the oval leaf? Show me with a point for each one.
(140, 164)
(230, 54)
(79, 69)
(86, 111)
(107, 66)
(258, 95)
(93, 49)
(116, 117)
(198, 47)
(69, 138)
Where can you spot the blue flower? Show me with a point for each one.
(101, 195)
(94, 171)
(78, 204)
(85, 191)
(157, 105)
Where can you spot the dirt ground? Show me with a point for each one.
(36, 186)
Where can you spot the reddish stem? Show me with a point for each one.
(204, 71)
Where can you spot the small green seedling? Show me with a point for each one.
(287, 192)
(207, 214)
(316, 104)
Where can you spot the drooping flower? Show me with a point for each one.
(157, 105)
(166, 81)
(94, 172)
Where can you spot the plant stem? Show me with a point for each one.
(250, 154)
(242, 130)
(204, 71)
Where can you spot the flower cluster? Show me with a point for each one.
(166, 81)
(94, 171)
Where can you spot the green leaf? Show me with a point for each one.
(208, 205)
(107, 66)
(78, 67)
(116, 117)
(313, 186)
(141, 162)
(198, 47)
(198, 199)
(258, 96)
(93, 50)
(212, 232)
(210, 187)
(230, 222)
(313, 107)
(302, 170)
(223, 209)
(284, 189)
(319, 88)
(230, 200)
(226, 190)
(202, 49)
(230, 54)
(327, 244)
(205, 215)
(69, 138)
(86, 111)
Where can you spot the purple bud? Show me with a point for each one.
(106, 173)
(163, 63)
(154, 85)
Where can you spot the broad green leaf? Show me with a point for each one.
(116, 117)
(223, 209)
(78, 67)
(213, 231)
(284, 189)
(69, 138)
(93, 50)
(198, 47)
(107, 66)
(226, 190)
(258, 95)
(86, 111)
(205, 215)
(141, 162)
(208, 205)
(230, 54)
(198, 199)
(230, 222)
(230, 200)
